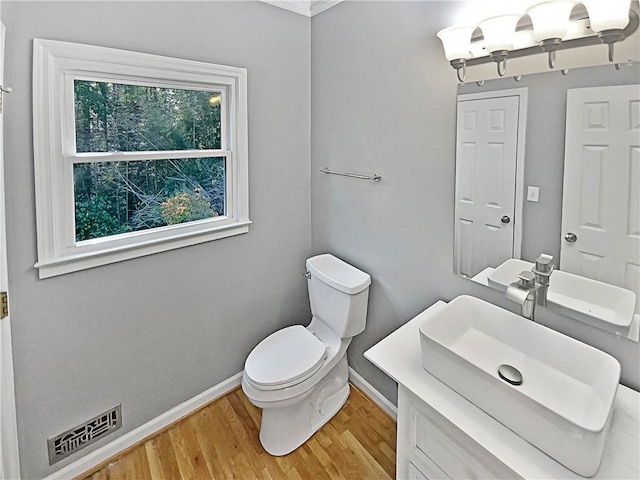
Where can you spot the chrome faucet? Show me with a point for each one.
(523, 292)
(542, 271)
(532, 286)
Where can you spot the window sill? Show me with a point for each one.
(73, 263)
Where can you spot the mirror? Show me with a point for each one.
(523, 172)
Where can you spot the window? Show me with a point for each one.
(134, 154)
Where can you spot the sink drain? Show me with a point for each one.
(510, 374)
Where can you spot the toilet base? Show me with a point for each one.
(285, 428)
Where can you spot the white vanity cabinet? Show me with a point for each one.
(442, 435)
(430, 447)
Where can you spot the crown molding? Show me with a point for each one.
(308, 8)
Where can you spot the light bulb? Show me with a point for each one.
(456, 41)
(550, 22)
(607, 15)
(550, 18)
(498, 32)
(457, 45)
(498, 35)
(608, 19)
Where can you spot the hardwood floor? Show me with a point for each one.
(220, 441)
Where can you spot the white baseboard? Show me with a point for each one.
(373, 394)
(95, 458)
(104, 453)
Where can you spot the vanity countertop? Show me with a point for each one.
(399, 356)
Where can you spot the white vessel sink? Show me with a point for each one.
(598, 304)
(564, 404)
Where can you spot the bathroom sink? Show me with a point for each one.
(507, 273)
(598, 304)
(564, 403)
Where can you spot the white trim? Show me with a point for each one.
(136, 435)
(9, 436)
(56, 65)
(319, 6)
(141, 156)
(373, 394)
(301, 7)
(521, 93)
(308, 8)
(79, 262)
(9, 454)
(104, 453)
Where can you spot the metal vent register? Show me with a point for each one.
(63, 445)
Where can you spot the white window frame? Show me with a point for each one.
(55, 67)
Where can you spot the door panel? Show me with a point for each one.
(486, 152)
(9, 460)
(601, 197)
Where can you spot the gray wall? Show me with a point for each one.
(384, 100)
(153, 332)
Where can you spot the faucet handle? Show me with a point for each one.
(544, 259)
(527, 278)
(543, 265)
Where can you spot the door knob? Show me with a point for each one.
(505, 219)
(570, 237)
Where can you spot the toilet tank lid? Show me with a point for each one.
(338, 274)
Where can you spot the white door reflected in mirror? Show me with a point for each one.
(601, 194)
(489, 134)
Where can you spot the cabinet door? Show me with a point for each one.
(427, 471)
(426, 439)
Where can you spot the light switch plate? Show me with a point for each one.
(533, 193)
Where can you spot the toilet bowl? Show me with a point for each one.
(299, 375)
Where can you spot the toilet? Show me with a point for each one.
(299, 375)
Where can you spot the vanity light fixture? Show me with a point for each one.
(550, 20)
(498, 35)
(608, 18)
(457, 44)
(552, 27)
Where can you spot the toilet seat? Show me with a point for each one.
(285, 358)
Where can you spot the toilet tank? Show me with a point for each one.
(339, 294)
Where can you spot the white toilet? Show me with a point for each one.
(299, 376)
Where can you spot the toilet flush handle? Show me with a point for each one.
(308, 275)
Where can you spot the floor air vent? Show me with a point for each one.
(74, 439)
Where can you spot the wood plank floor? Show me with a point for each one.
(220, 441)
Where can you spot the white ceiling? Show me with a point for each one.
(308, 8)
